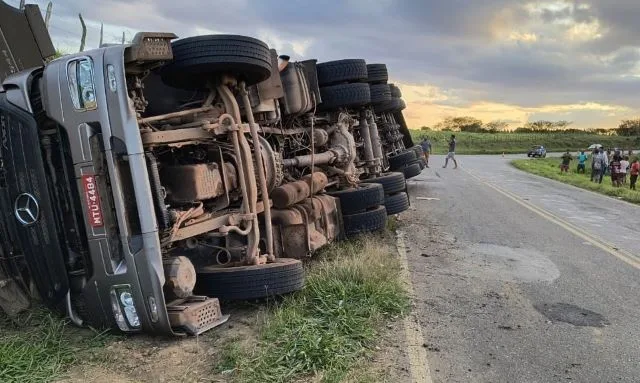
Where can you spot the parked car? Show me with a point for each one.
(537, 151)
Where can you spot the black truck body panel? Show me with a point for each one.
(23, 185)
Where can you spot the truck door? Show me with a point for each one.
(24, 39)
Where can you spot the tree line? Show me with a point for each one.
(474, 125)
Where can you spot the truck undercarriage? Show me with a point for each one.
(141, 183)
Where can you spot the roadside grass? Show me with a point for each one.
(512, 143)
(326, 329)
(328, 332)
(549, 168)
(39, 346)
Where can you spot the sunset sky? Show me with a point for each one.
(515, 61)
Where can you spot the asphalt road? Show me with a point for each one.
(522, 279)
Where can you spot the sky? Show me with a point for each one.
(507, 60)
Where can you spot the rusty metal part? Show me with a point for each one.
(342, 138)
(183, 136)
(245, 168)
(180, 277)
(320, 137)
(305, 227)
(294, 192)
(272, 164)
(203, 132)
(209, 222)
(257, 147)
(283, 132)
(375, 137)
(196, 314)
(168, 116)
(327, 157)
(197, 182)
(365, 134)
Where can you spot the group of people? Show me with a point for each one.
(451, 154)
(604, 163)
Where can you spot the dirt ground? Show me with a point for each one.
(202, 359)
(153, 359)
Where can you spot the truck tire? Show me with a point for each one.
(419, 161)
(341, 71)
(377, 74)
(356, 200)
(412, 170)
(198, 59)
(419, 151)
(344, 96)
(395, 91)
(251, 282)
(365, 222)
(401, 159)
(380, 93)
(396, 203)
(391, 182)
(389, 106)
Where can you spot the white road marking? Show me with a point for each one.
(418, 363)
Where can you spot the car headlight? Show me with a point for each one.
(124, 309)
(81, 85)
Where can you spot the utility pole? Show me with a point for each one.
(123, 37)
(101, 34)
(22, 5)
(47, 16)
(84, 32)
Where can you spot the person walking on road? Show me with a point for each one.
(426, 149)
(634, 171)
(452, 152)
(566, 160)
(582, 158)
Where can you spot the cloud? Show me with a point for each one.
(501, 59)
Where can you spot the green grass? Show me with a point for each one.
(498, 143)
(33, 348)
(332, 324)
(549, 168)
(39, 346)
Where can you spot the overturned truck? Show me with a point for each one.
(140, 184)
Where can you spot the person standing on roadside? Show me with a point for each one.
(598, 165)
(616, 171)
(634, 171)
(624, 169)
(426, 149)
(452, 152)
(566, 160)
(593, 159)
(582, 158)
(607, 157)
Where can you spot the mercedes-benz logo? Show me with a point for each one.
(26, 209)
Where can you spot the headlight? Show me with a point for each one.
(81, 85)
(129, 309)
(124, 309)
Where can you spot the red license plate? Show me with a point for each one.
(94, 211)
